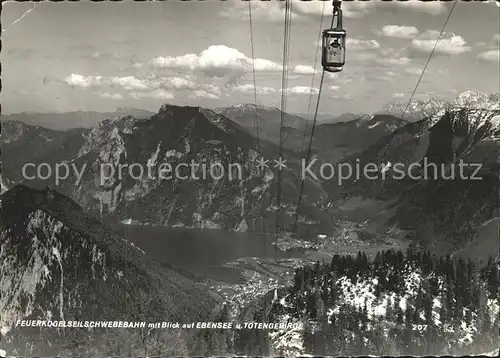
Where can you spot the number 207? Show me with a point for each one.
(419, 327)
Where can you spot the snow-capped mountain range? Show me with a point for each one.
(41, 229)
(247, 108)
(176, 133)
(419, 109)
(445, 213)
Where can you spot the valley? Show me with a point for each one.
(244, 266)
(216, 239)
(250, 179)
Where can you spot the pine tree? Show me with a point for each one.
(458, 308)
(358, 345)
(470, 270)
(310, 343)
(262, 344)
(389, 314)
(442, 265)
(299, 280)
(378, 289)
(220, 337)
(399, 315)
(366, 263)
(322, 336)
(317, 270)
(324, 291)
(444, 313)
(333, 292)
(311, 306)
(493, 279)
(400, 259)
(359, 260)
(320, 304)
(428, 304)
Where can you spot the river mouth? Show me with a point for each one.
(203, 252)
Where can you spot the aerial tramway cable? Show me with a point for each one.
(332, 33)
(313, 78)
(284, 88)
(427, 63)
(253, 72)
(309, 106)
(308, 155)
(256, 120)
(309, 147)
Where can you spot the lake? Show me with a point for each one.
(201, 251)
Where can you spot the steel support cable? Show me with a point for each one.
(308, 155)
(401, 119)
(309, 147)
(427, 63)
(313, 78)
(254, 79)
(284, 88)
(256, 119)
(302, 146)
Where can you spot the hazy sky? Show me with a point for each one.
(100, 56)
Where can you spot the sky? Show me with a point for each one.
(68, 56)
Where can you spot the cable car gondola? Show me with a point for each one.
(333, 51)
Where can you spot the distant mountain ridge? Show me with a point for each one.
(22, 143)
(333, 138)
(467, 130)
(265, 122)
(444, 213)
(420, 109)
(71, 120)
(174, 135)
(244, 113)
(334, 141)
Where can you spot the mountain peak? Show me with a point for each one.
(166, 108)
(418, 109)
(477, 100)
(65, 263)
(246, 107)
